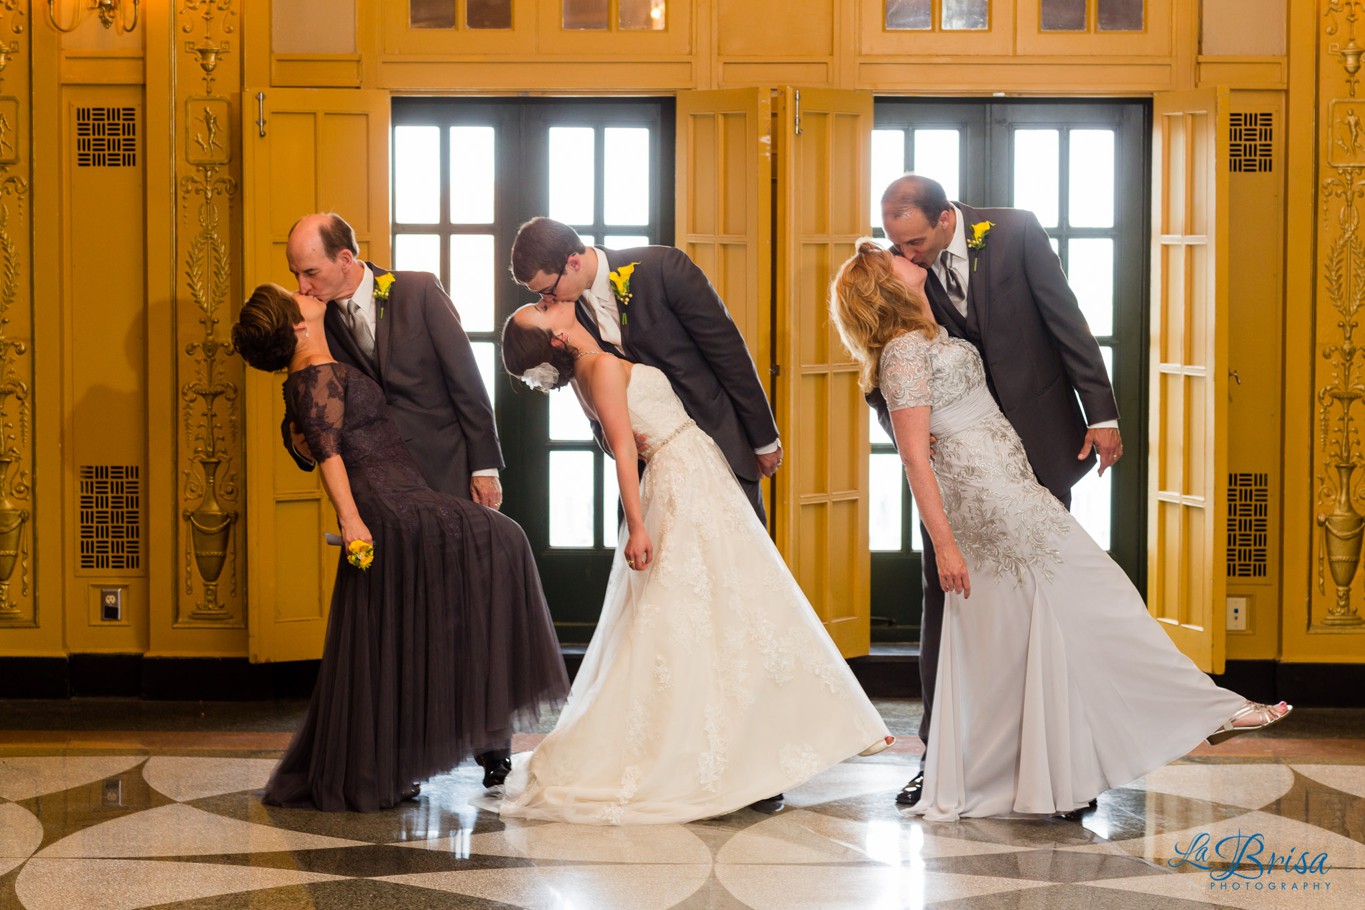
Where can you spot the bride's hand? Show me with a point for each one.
(952, 570)
(639, 551)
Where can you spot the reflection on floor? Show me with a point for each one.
(123, 804)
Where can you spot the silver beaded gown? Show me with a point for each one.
(1054, 683)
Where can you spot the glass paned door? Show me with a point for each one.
(467, 173)
(1081, 168)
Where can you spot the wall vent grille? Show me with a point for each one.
(1248, 525)
(110, 516)
(1251, 142)
(106, 137)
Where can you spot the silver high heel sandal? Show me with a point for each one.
(878, 746)
(1266, 714)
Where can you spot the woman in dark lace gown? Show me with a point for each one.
(444, 644)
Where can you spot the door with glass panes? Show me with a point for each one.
(1081, 167)
(466, 174)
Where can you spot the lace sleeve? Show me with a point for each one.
(316, 401)
(906, 373)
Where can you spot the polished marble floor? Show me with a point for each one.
(117, 804)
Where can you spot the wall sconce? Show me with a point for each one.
(111, 13)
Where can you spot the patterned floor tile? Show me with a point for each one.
(181, 827)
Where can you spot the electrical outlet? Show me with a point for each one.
(1237, 614)
(111, 604)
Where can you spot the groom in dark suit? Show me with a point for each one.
(995, 281)
(402, 331)
(653, 305)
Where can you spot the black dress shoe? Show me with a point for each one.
(410, 793)
(496, 764)
(770, 805)
(1075, 815)
(910, 793)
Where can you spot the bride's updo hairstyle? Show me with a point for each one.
(870, 305)
(528, 355)
(264, 333)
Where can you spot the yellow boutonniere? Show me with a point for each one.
(978, 239)
(382, 285)
(979, 231)
(620, 286)
(360, 554)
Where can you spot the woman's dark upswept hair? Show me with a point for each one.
(264, 333)
(524, 347)
(543, 245)
(870, 305)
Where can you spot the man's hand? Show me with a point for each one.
(1107, 442)
(486, 491)
(769, 463)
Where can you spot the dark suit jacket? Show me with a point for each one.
(1039, 353)
(430, 379)
(676, 322)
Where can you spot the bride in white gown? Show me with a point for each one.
(710, 683)
(1054, 684)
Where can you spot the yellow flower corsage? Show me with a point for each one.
(620, 286)
(978, 239)
(360, 554)
(382, 284)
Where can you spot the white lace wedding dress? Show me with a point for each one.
(1054, 684)
(710, 682)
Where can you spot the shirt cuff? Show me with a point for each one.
(769, 448)
(484, 472)
(1104, 425)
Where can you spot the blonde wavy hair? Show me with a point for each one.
(870, 305)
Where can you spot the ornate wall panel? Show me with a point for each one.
(16, 323)
(208, 213)
(1340, 375)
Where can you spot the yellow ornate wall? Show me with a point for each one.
(18, 601)
(117, 284)
(1323, 619)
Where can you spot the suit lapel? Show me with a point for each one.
(978, 277)
(588, 317)
(382, 338)
(977, 287)
(624, 323)
(339, 336)
(944, 311)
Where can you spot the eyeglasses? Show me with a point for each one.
(550, 291)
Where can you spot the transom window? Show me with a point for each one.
(1053, 15)
(478, 14)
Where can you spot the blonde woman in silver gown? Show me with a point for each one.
(1054, 684)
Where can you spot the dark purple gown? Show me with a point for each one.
(440, 649)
